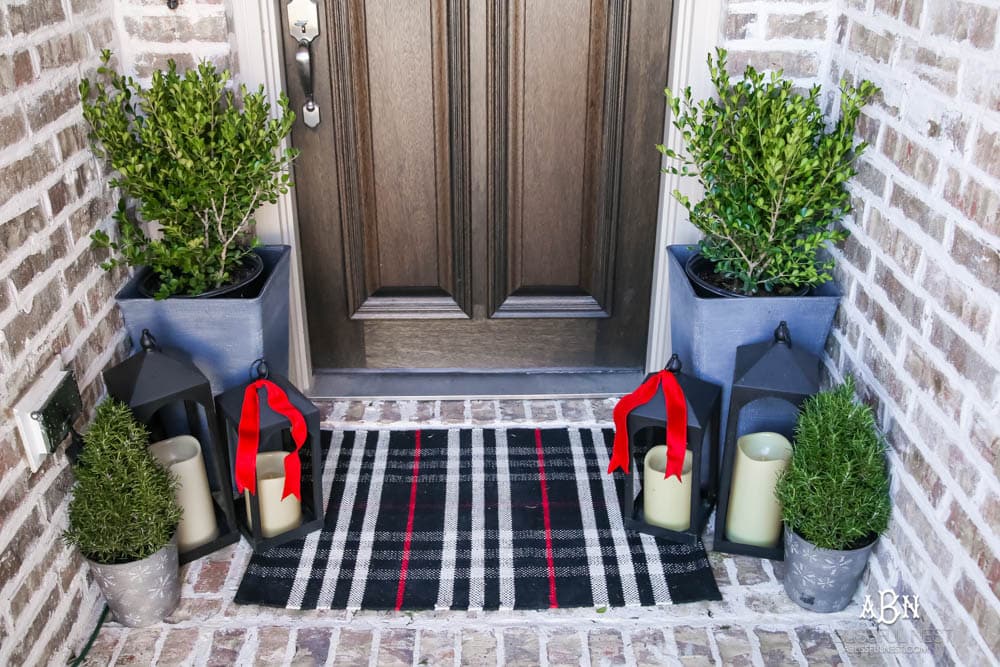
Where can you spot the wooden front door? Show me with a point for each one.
(481, 191)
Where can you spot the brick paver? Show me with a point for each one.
(754, 624)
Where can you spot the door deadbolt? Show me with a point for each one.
(303, 24)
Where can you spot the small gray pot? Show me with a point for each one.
(142, 592)
(822, 580)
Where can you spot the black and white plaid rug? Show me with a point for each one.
(516, 518)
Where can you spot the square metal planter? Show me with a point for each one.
(223, 337)
(705, 332)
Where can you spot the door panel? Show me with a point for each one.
(471, 197)
(561, 110)
(406, 245)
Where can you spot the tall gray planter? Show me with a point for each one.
(822, 580)
(142, 592)
(222, 336)
(705, 332)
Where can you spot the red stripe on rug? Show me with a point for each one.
(553, 603)
(409, 526)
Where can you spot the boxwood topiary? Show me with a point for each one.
(198, 164)
(123, 506)
(835, 491)
(773, 174)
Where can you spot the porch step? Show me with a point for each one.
(754, 624)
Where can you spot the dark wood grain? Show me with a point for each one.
(460, 344)
(557, 118)
(482, 189)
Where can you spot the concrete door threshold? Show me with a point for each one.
(412, 384)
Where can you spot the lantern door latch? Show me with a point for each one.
(303, 24)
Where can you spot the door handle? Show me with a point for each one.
(303, 24)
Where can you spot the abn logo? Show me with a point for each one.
(889, 612)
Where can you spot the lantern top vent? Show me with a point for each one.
(701, 397)
(153, 375)
(777, 365)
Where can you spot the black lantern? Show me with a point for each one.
(770, 382)
(263, 516)
(173, 399)
(647, 426)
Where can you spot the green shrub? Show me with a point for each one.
(123, 506)
(835, 491)
(774, 176)
(198, 166)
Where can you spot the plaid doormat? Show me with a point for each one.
(516, 518)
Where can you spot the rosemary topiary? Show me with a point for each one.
(198, 165)
(774, 176)
(123, 506)
(835, 491)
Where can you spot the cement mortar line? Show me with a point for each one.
(939, 44)
(59, 318)
(546, 629)
(965, 565)
(644, 617)
(906, 575)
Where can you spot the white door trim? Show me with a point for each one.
(695, 31)
(257, 34)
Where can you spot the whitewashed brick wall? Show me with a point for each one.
(920, 321)
(55, 302)
(152, 34)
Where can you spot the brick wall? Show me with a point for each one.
(54, 300)
(920, 321)
(152, 34)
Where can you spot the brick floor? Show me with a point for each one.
(754, 624)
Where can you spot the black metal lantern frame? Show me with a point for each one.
(771, 380)
(647, 425)
(275, 436)
(168, 394)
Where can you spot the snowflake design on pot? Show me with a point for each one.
(142, 592)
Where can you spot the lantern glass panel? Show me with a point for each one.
(768, 414)
(187, 418)
(642, 441)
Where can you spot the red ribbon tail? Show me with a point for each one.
(293, 476)
(248, 441)
(676, 408)
(278, 401)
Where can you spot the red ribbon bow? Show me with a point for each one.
(676, 411)
(249, 438)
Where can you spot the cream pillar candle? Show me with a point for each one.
(181, 455)
(276, 515)
(754, 515)
(666, 502)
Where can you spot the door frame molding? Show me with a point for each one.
(695, 30)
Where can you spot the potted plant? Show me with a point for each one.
(123, 518)
(834, 497)
(197, 165)
(774, 178)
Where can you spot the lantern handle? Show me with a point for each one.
(674, 364)
(147, 341)
(782, 334)
(259, 370)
